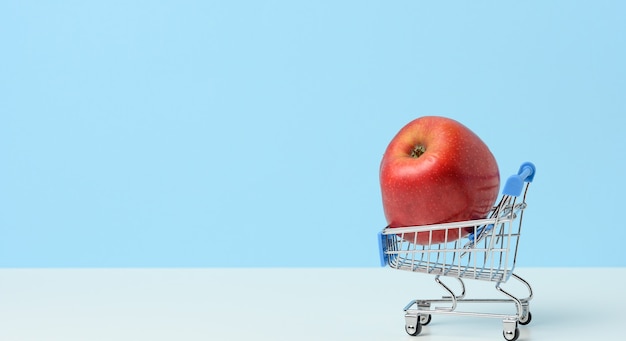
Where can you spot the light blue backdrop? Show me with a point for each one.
(249, 133)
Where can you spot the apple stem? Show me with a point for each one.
(418, 151)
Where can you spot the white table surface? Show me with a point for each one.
(291, 304)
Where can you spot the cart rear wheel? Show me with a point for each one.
(425, 319)
(526, 320)
(511, 336)
(413, 330)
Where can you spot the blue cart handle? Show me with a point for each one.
(515, 183)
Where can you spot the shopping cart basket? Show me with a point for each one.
(487, 253)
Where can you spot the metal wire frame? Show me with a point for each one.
(489, 254)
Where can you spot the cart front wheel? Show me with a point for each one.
(511, 336)
(425, 319)
(413, 330)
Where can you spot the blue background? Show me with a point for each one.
(249, 133)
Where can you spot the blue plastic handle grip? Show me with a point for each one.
(382, 239)
(515, 183)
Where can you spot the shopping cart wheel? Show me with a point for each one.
(425, 319)
(526, 319)
(511, 336)
(413, 330)
(510, 330)
(412, 323)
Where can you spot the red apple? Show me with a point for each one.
(436, 170)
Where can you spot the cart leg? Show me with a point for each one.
(452, 297)
(530, 289)
(526, 316)
(523, 309)
(517, 301)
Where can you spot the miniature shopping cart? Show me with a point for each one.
(486, 253)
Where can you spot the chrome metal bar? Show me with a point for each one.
(530, 289)
(517, 301)
(463, 313)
